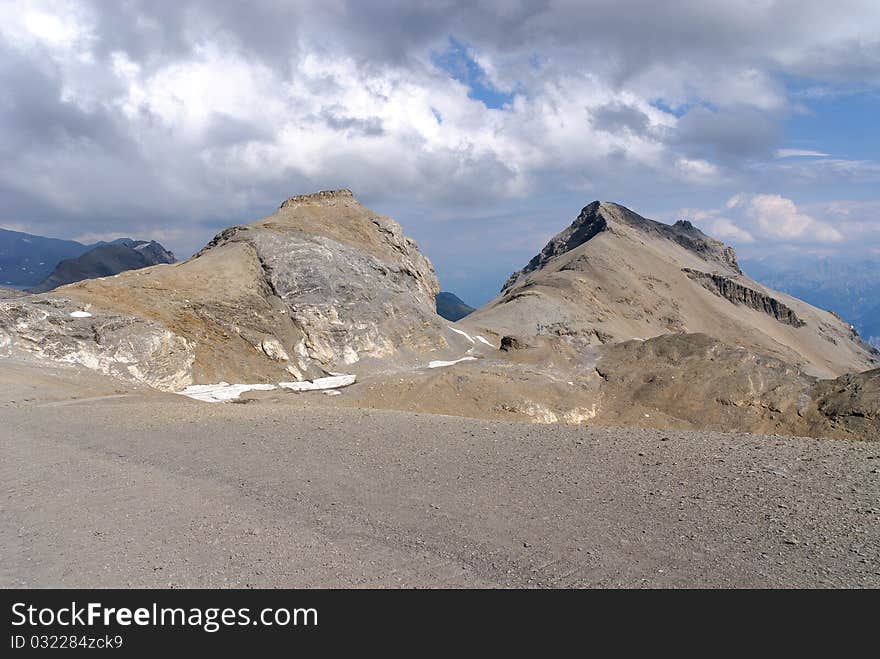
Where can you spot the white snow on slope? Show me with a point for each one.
(223, 391)
(463, 333)
(80, 314)
(332, 382)
(439, 364)
(484, 340)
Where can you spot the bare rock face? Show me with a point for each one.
(672, 381)
(120, 346)
(316, 287)
(348, 278)
(695, 381)
(703, 383)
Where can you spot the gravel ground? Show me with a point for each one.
(143, 489)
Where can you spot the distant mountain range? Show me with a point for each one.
(451, 307)
(26, 260)
(40, 264)
(106, 260)
(848, 287)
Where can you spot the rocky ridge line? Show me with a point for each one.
(736, 293)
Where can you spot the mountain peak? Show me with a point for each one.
(592, 220)
(322, 196)
(599, 216)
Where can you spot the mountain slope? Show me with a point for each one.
(613, 276)
(26, 259)
(451, 307)
(106, 260)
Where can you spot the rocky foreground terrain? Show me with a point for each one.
(118, 485)
(618, 321)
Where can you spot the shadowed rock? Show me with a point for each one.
(736, 293)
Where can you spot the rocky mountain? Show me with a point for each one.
(106, 260)
(26, 259)
(613, 276)
(619, 320)
(319, 286)
(451, 307)
(849, 287)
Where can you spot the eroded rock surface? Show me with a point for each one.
(125, 347)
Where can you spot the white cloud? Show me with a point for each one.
(726, 230)
(768, 217)
(698, 171)
(734, 201)
(799, 153)
(778, 217)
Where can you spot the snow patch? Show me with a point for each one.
(221, 392)
(333, 382)
(463, 333)
(440, 363)
(80, 314)
(485, 340)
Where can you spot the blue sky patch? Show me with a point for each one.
(461, 66)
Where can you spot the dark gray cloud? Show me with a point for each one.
(726, 134)
(615, 117)
(335, 118)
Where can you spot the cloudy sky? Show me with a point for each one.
(483, 127)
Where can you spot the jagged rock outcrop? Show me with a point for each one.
(612, 276)
(316, 287)
(736, 293)
(587, 225)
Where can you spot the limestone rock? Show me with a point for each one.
(121, 346)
